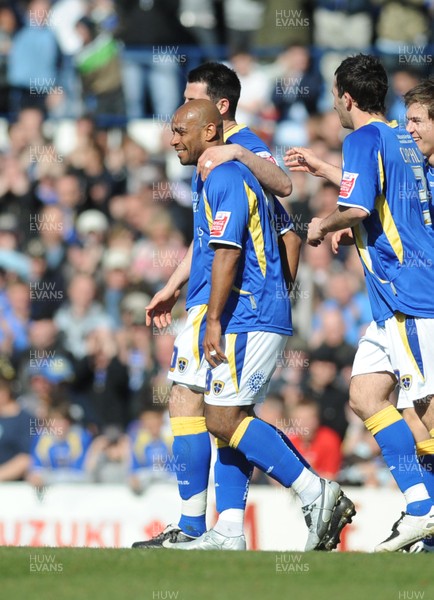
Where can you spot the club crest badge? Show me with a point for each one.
(405, 382)
(182, 364)
(217, 387)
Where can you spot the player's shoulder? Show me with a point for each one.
(246, 137)
(229, 178)
(224, 174)
(248, 177)
(368, 134)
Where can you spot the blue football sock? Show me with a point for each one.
(232, 473)
(397, 445)
(291, 446)
(266, 450)
(192, 458)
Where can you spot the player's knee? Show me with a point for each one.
(176, 401)
(425, 411)
(184, 402)
(220, 424)
(355, 399)
(215, 425)
(410, 416)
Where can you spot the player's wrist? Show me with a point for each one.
(322, 228)
(323, 169)
(173, 287)
(212, 319)
(239, 153)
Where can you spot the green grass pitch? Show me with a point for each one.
(109, 574)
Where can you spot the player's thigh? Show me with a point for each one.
(370, 393)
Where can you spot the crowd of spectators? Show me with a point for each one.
(95, 215)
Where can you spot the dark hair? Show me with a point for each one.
(365, 79)
(221, 82)
(422, 93)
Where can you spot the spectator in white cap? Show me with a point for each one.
(92, 226)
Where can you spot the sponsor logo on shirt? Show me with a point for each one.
(220, 223)
(347, 184)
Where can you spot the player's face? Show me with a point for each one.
(340, 107)
(421, 128)
(187, 139)
(195, 91)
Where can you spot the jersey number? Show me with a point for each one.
(423, 192)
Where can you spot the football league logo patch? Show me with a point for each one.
(217, 387)
(182, 364)
(220, 223)
(347, 184)
(405, 382)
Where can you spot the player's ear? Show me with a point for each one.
(223, 106)
(210, 132)
(348, 101)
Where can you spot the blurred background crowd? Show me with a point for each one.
(95, 214)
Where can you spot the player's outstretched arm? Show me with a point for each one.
(306, 161)
(224, 269)
(342, 218)
(160, 307)
(289, 249)
(271, 177)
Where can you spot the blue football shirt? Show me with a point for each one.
(231, 208)
(384, 174)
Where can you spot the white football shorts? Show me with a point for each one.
(403, 347)
(242, 380)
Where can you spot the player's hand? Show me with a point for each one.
(314, 233)
(211, 344)
(160, 308)
(303, 160)
(213, 157)
(342, 238)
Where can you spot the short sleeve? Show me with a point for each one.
(226, 196)
(360, 184)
